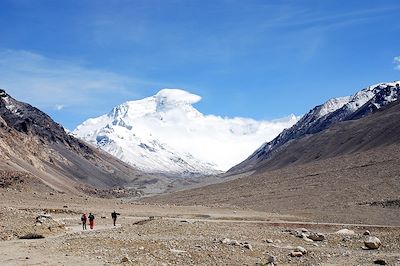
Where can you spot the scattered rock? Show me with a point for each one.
(296, 254)
(125, 259)
(228, 241)
(271, 260)
(372, 242)
(367, 233)
(248, 246)
(269, 241)
(380, 262)
(177, 251)
(316, 237)
(345, 232)
(300, 249)
(304, 230)
(42, 218)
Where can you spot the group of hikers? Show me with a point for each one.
(85, 218)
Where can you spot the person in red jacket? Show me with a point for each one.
(91, 220)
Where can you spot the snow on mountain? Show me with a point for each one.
(323, 116)
(164, 133)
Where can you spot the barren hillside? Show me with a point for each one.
(348, 173)
(35, 148)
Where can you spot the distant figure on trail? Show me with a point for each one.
(84, 220)
(91, 220)
(114, 215)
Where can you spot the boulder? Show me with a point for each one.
(367, 233)
(125, 259)
(271, 259)
(248, 246)
(228, 241)
(300, 249)
(372, 242)
(296, 254)
(345, 232)
(316, 237)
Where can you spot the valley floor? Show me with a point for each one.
(170, 235)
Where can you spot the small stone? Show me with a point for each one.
(372, 242)
(271, 259)
(345, 232)
(317, 237)
(367, 233)
(296, 254)
(177, 251)
(248, 246)
(304, 230)
(380, 262)
(125, 259)
(300, 249)
(269, 241)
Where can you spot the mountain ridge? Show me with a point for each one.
(323, 116)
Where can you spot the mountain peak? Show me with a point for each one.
(164, 133)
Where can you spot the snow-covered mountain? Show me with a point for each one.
(164, 133)
(323, 116)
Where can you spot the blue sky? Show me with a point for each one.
(258, 59)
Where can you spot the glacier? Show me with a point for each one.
(165, 134)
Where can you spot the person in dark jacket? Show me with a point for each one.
(114, 215)
(84, 220)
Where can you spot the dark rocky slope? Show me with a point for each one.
(31, 142)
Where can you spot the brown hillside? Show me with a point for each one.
(348, 173)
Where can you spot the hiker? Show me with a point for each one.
(114, 215)
(84, 220)
(91, 220)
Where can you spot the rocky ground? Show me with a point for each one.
(171, 235)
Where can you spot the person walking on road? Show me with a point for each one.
(91, 220)
(114, 215)
(84, 220)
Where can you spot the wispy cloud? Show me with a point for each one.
(59, 107)
(396, 61)
(57, 84)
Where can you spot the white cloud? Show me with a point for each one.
(396, 61)
(47, 82)
(59, 107)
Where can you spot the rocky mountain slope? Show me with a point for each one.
(323, 117)
(36, 150)
(165, 134)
